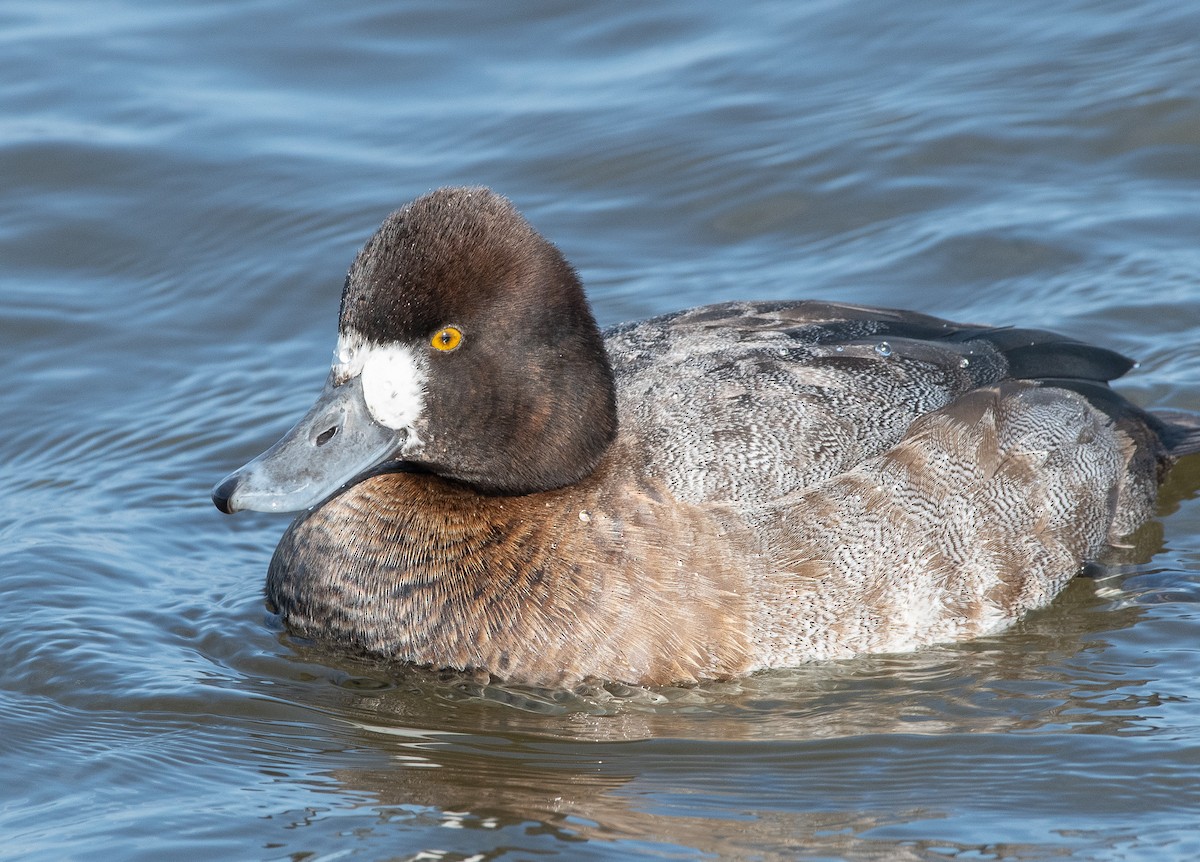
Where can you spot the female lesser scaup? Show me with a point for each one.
(491, 483)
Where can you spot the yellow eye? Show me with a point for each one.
(447, 338)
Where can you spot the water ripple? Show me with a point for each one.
(187, 186)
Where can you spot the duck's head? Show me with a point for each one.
(465, 348)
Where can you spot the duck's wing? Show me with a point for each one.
(983, 510)
(748, 402)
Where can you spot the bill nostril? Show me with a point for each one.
(326, 435)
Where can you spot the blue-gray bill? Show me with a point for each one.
(336, 441)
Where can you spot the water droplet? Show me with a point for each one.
(883, 348)
(344, 354)
(964, 362)
(840, 348)
(585, 517)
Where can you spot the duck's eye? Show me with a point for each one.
(447, 338)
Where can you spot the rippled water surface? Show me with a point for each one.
(186, 183)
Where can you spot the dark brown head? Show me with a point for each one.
(465, 347)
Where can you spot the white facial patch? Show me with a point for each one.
(393, 379)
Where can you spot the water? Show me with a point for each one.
(185, 185)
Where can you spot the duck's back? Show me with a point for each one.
(749, 402)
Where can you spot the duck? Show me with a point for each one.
(490, 483)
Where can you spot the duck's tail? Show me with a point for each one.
(1179, 431)
(1164, 435)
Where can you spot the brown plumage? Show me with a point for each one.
(695, 496)
(610, 576)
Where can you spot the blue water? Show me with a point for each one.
(184, 186)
